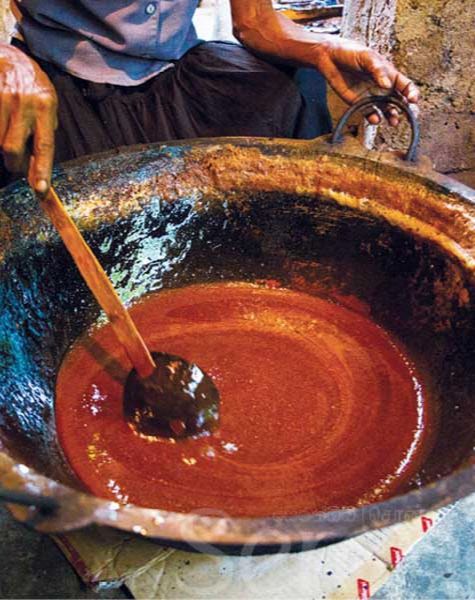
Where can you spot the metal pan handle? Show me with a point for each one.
(381, 102)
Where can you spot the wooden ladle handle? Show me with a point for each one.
(99, 284)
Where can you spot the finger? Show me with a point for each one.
(392, 115)
(380, 69)
(373, 115)
(406, 88)
(373, 118)
(5, 110)
(388, 77)
(14, 143)
(43, 153)
(337, 81)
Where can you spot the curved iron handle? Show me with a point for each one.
(45, 504)
(381, 101)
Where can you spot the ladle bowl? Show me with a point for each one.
(391, 232)
(177, 400)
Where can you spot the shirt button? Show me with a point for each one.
(151, 8)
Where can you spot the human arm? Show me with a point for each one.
(27, 112)
(263, 30)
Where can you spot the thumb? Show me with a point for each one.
(42, 159)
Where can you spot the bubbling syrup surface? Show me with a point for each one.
(320, 409)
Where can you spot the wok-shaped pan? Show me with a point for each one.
(390, 231)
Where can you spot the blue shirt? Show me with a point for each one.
(124, 42)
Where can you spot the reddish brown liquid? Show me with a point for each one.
(319, 407)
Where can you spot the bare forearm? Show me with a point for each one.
(259, 27)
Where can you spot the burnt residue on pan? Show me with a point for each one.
(172, 216)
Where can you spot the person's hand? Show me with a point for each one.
(346, 64)
(28, 105)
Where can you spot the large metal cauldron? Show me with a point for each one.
(394, 233)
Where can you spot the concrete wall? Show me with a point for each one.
(370, 21)
(6, 20)
(434, 42)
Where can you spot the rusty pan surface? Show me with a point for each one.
(395, 234)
